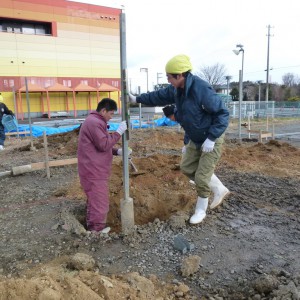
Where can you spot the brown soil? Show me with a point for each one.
(255, 231)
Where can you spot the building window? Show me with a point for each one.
(115, 83)
(25, 26)
(11, 83)
(67, 83)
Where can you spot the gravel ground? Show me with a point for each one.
(248, 248)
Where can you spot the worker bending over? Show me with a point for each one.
(203, 116)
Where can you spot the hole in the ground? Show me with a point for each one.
(79, 212)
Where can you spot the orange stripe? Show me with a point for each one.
(67, 5)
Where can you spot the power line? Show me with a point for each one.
(254, 72)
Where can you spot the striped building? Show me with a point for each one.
(65, 54)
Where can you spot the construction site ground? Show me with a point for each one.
(248, 248)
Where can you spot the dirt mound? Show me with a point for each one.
(58, 281)
(272, 158)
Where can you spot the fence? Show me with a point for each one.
(263, 109)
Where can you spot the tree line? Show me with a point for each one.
(289, 90)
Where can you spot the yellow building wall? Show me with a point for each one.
(86, 45)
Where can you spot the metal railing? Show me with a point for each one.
(262, 109)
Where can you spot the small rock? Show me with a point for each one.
(81, 261)
(265, 284)
(190, 265)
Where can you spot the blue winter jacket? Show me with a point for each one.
(200, 111)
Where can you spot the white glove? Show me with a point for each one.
(132, 99)
(120, 151)
(183, 150)
(122, 128)
(208, 145)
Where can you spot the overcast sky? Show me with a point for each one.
(208, 31)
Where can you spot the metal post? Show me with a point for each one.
(259, 90)
(29, 116)
(127, 212)
(242, 75)
(227, 88)
(241, 72)
(140, 108)
(267, 79)
(15, 108)
(46, 155)
(147, 83)
(240, 103)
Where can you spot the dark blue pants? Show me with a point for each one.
(2, 134)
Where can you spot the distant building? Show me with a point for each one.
(68, 51)
(222, 89)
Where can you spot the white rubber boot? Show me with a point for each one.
(105, 230)
(200, 211)
(219, 190)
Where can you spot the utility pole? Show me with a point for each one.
(268, 65)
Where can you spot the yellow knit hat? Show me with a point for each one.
(179, 64)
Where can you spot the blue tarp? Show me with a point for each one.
(37, 131)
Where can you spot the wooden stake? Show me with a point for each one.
(46, 155)
(249, 134)
(42, 165)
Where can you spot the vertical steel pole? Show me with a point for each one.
(259, 95)
(29, 116)
(127, 212)
(15, 107)
(147, 83)
(240, 103)
(227, 87)
(267, 79)
(140, 108)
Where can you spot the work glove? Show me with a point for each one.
(122, 128)
(132, 99)
(183, 150)
(208, 145)
(120, 151)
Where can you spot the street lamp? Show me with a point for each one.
(237, 52)
(145, 70)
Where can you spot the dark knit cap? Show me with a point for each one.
(169, 110)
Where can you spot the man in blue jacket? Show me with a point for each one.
(3, 111)
(203, 116)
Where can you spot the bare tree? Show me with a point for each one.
(289, 79)
(214, 74)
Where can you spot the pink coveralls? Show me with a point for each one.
(95, 154)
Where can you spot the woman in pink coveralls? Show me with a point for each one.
(95, 155)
